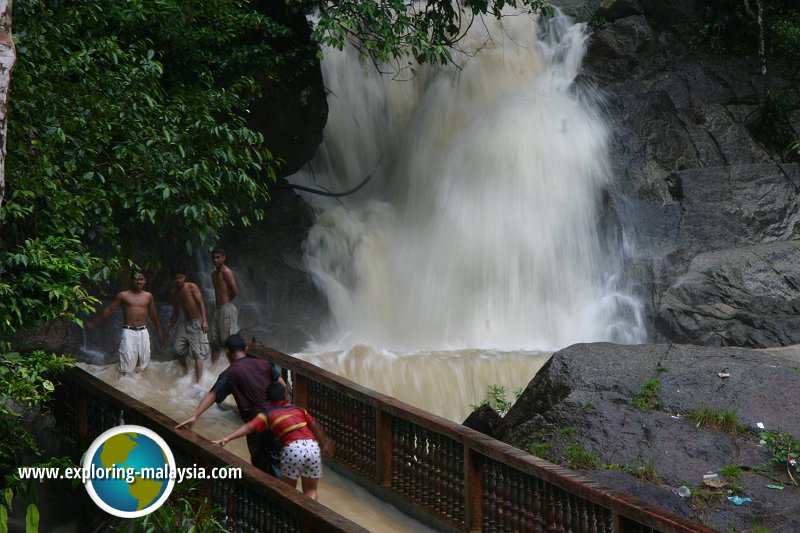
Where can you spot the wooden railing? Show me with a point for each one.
(452, 477)
(442, 473)
(85, 407)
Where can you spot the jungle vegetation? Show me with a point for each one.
(128, 138)
(128, 135)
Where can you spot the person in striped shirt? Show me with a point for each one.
(304, 441)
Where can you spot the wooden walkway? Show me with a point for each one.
(441, 473)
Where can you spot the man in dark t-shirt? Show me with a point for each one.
(247, 379)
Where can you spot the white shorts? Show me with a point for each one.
(134, 350)
(301, 458)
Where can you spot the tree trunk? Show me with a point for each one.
(8, 55)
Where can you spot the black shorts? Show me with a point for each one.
(265, 452)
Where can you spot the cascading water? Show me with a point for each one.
(473, 251)
(482, 229)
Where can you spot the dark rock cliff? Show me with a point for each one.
(715, 209)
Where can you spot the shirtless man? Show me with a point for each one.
(137, 304)
(191, 339)
(226, 319)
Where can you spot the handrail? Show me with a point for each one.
(445, 474)
(453, 477)
(85, 407)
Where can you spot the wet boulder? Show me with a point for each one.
(647, 419)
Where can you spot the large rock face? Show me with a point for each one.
(693, 176)
(742, 297)
(580, 410)
(293, 108)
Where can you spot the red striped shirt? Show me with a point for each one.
(288, 421)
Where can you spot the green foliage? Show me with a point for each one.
(785, 451)
(496, 399)
(646, 472)
(24, 382)
(729, 27)
(540, 449)
(726, 420)
(731, 472)
(648, 396)
(541, 446)
(598, 22)
(774, 127)
(578, 457)
(42, 280)
(704, 496)
(391, 31)
(105, 146)
(186, 509)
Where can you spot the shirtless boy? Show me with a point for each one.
(226, 319)
(137, 304)
(191, 339)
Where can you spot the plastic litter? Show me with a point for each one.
(710, 476)
(738, 500)
(684, 491)
(776, 487)
(760, 425)
(724, 374)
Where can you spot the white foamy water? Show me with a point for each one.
(480, 226)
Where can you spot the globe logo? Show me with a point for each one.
(130, 471)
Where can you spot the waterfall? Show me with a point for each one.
(480, 226)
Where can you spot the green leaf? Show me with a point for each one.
(3, 519)
(32, 519)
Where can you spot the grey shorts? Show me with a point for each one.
(191, 341)
(225, 324)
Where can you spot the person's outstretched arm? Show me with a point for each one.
(244, 429)
(105, 313)
(207, 401)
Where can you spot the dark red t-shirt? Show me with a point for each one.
(247, 379)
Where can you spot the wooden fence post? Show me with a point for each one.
(473, 491)
(383, 443)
